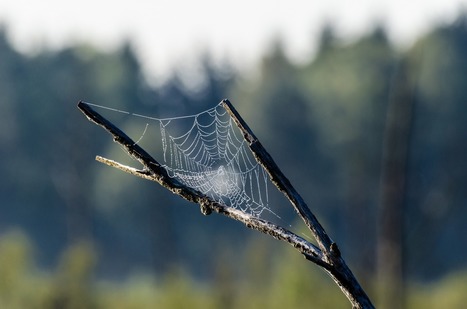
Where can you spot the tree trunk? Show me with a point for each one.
(390, 252)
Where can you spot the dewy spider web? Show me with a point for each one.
(211, 156)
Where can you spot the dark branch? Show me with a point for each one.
(339, 270)
(155, 172)
(326, 256)
(280, 181)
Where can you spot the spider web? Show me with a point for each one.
(207, 152)
(212, 157)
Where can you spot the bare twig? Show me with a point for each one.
(326, 256)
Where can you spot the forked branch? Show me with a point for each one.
(326, 255)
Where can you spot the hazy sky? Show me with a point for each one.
(170, 32)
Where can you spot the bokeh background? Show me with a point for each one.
(362, 105)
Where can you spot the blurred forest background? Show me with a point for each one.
(374, 138)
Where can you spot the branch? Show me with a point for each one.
(155, 172)
(339, 270)
(280, 181)
(326, 256)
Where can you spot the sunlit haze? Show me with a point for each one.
(169, 33)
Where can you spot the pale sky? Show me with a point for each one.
(167, 33)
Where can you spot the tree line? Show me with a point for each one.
(328, 124)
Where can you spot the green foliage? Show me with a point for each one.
(446, 293)
(298, 284)
(288, 282)
(176, 291)
(17, 286)
(72, 283)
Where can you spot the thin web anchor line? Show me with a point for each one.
(150, 117)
